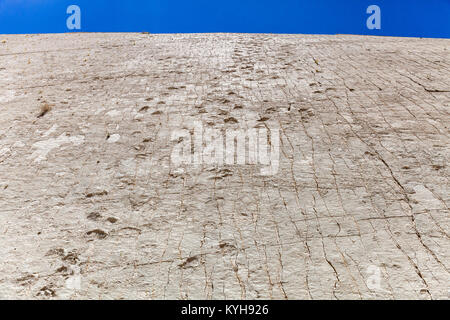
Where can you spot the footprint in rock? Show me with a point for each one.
(112, 220)
(231, 120)
(71, 257)
(94, 216)
(64, 270)
(56, 252)
(99, 234)
(144, 109)
(47, 292)
(96, 194)
(26, 280)
(188, 262)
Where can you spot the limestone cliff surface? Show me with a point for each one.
(91, 205)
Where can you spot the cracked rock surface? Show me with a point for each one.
(91, 205)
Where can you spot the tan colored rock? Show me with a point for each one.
(92, 206)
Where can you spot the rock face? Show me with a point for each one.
(93, 205)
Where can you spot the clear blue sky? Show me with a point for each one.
(421, 18)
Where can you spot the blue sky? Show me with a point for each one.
(421, 18)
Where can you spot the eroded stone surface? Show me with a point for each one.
(91, 206)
